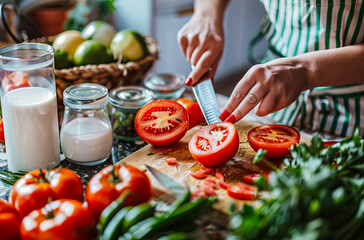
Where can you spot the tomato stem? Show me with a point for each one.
(43, 177)
(115, 177)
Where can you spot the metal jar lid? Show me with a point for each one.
(85, 96)
(164, 82)
(130, 97)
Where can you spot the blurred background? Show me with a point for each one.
(159, 19)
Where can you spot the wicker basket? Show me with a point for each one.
(110, 75)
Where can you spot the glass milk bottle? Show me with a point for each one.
(86, 134)
(29, 106)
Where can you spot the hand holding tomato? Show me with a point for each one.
(107, 185)
(63, 219)
(276, 139)
(195, 114)
(36, 188)
(162, 122)
(9, 221)
(214, 144)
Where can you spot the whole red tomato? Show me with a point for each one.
(36, 188)
(276, 139)
(214, 144)
(9, 221)
(162, 122)
(195, 114)
(63, 219)
(107, 185)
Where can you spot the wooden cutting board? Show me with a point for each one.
(233, 170)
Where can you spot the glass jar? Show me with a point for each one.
(29, 106)
(165, 85)
(125, 103)
(86, 135)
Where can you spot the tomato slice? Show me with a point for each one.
(214, 144)
(276, 139)
(245, 192)
(171, 161)
(162, 122)
(252, 178)
(329, 143)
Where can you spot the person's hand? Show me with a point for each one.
(201, 41)
(267, 88)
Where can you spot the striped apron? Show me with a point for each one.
(293, 27)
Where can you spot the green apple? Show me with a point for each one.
(128, 44)
(100, 31)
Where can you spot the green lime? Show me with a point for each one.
(92, 52)
(62, 59)
(128, 44)
(100, 31)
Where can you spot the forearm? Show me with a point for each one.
(334, 67)
(211, 8)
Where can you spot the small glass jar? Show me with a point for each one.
(125, 103)
(165, 85)
(86, 135)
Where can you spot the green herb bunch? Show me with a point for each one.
(319, 194)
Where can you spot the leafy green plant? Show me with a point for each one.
(318, 195)
(79, 15)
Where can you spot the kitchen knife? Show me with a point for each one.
(166, 181)
(206, 98)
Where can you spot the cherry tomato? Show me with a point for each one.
(36, 188)
(9, 221)
(214, 144)
(63, 219)
(162, 122)
(108, 184)
(15, 80)
(276, 139)
(195, 114)
(2, 136)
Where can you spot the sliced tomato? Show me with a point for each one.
(171, 161)
(222, 182)
(2, 135)
(252, 178)
(15, 80)
(329, 143)
(276, 139)
(214, 144)
(162, 122)
(245, 192)
(202, 173)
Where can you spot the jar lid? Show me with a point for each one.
(85, 96)
(164, 82)
(130, 97)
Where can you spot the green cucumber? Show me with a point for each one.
(137, 214)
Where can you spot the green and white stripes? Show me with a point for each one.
(294, 27)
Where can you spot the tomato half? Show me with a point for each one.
(108, 184)
(276, 139)
(195, 114)
(214, 144)
(162, 122)
(36, 188)
(9, 221)
(61, 219)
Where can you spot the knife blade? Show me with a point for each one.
(166, 181)
(206, 98)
